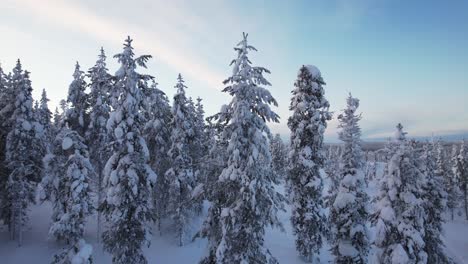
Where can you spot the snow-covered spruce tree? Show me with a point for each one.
(96, 134)
(213, 165)
(180, 174)
(7, 102)
(77, 114)
(451, 183)
(399, 217)
(278, 156)
(4, 91)
(157, 128)
(56, 118)
(461, 174)
(435, 202)
(306, 159)
(45, 115)
(199, 140)
(55, 185)
(394, 142)
(244, 201)
(59, 116)
(157, 133)
(199, 150)
(24, 152)
(194, 142)
(128, 179)
(348, 213)
(36, 110)
(67, 186)
(6, 105)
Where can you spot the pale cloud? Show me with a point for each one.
(76, 17)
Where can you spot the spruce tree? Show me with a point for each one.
(399, 218)
(461, 174)
(67, 186)
(435, 202)
(307, 125)
(244, 201)
(6, 106)
(57, 117)
(157, 133)
(77, 114)
(199, 147)
(180, 174)
(4, 90)
(36, 110)
(451, 184)
(348, 213)
(60, 115)
(128, 178)
(45, 115)
(24, 151)
(101, 82)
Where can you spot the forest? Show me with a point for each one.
(119, 165)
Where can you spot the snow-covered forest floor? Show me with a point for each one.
(164, 249)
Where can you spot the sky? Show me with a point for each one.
(405, 60)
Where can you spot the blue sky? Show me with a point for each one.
(405, 60)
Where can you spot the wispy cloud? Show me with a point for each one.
(74, 16)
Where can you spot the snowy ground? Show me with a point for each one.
(163, 249)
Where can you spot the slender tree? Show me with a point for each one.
(24, 151)
(157, 133)
(307, 125)
(6, 106)
(451, 184)
(45, 115)
(399, 218)
(180, 174)
(435, 202)
(199, 147)
(101, 83)
(348, 213)
(244, 201)
(128, 178)
(461, 174)
(67, 185)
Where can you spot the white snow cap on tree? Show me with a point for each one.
(314, 71)
(400, 135)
